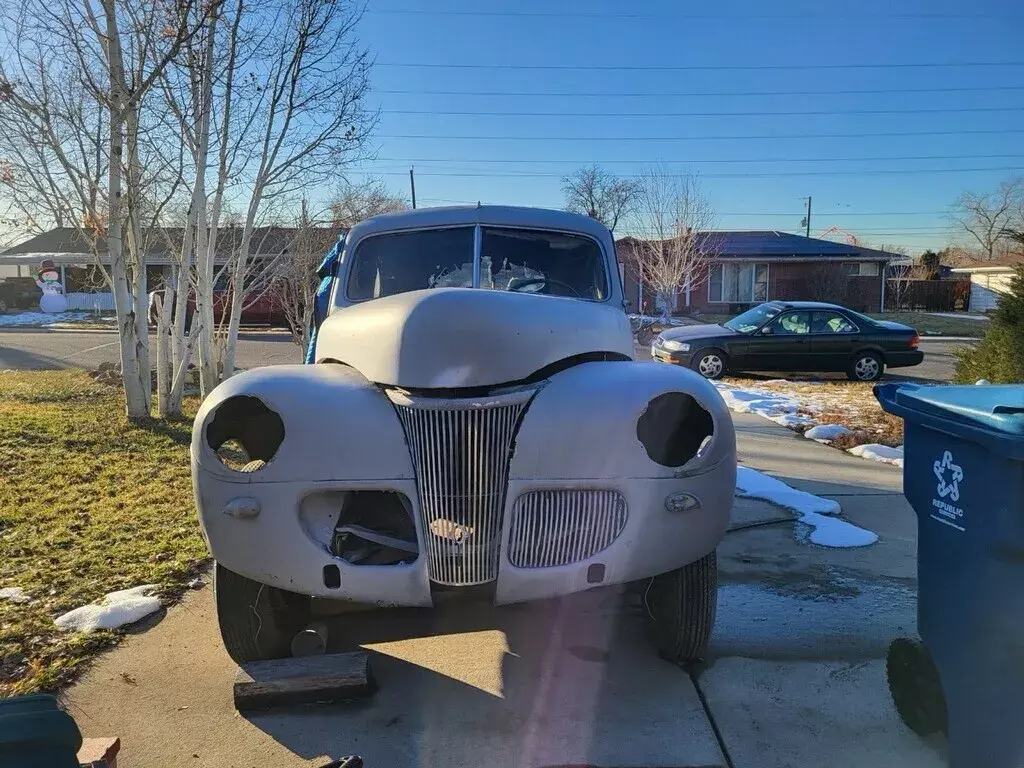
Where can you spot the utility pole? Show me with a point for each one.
(807, 219)
(412, 186)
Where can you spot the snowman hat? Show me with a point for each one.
(47, 266)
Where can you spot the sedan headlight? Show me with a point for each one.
(676, 346)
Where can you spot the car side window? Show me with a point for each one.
(791, 324)
(831, 322)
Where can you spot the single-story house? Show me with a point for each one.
(84, 286)
(989, 280)
(751, 267)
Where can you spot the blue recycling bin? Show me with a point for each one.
(964, 476)
(36, 733)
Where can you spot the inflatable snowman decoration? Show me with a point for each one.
(53, 300)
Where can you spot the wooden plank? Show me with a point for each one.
(308, 680)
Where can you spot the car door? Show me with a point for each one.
(782, 345)
(833, 337)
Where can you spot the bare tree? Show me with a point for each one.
(987, 218)
(356, 202)
(902, 277)
(598, 194)
(677, 240)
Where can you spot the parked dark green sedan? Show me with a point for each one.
(792, 336)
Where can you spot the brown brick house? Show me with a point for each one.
(760, 266)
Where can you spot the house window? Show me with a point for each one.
(738, 283)
(861, 268)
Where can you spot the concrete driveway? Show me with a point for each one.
(797, 677)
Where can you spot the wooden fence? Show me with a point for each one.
(927, 295)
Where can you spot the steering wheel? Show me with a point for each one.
(518, 285)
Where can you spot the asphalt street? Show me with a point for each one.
(47, 349)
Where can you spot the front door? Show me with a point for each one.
(782, 345)
(833, 337)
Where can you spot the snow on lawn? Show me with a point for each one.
(114, 610)
(14, 594)
(774, 406)
(826, 433)
(811, 510)
(882, 453)
(42, 319)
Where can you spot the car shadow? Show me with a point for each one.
(555, 682)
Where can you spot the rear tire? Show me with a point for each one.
(866, 366)
(256, 621)
(710, 363)
(680, 607)
(915, 687)
(645, 335)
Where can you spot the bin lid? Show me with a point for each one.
(995, 407)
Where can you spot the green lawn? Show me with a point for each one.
(90, 504)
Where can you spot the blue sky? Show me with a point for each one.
(650, 72)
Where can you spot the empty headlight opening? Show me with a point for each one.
(674, 428)
(244, 433)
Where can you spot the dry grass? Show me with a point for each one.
(851, 404)
(90, 503)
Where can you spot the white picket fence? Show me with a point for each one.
(91, 302)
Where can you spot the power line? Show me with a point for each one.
(698, 67)
(715, 137)
(609, 94)
(829, 112)
(762, 214)
(698, 162)
(891, 171)
(688, 16)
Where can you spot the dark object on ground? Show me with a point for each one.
(352, 761)
(915, 687)
(964, 476)
(792, 336)
(999, 356)
(36, 733)
(256, 621)
(680, 606)
(309, 680)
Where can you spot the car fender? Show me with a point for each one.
(583, 423)
(337, 426)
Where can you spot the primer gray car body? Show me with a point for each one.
(529, 450)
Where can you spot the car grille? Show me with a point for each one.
(560, 527)
(460, 450)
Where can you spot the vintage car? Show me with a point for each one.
(474, 422)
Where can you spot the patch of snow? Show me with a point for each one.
(811, 510)
(826, 433)
(14, 594)
(958, 316)
(882, 453)
(982, 383)
(42, 319)
(658, 319)
(774, 406)
(112, 611)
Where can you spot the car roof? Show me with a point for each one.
(805, 305)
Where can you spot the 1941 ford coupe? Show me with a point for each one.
(474, 420)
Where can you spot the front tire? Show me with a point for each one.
(680, 607)
(866, 366)
(710, 363)
(256, 621)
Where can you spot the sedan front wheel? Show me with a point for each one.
(711, 363)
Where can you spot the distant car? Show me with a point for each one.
(18, 293)
(792, 336)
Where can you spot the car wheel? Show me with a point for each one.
(645, 335)
(866, 366)
(256, 621)
(680, 607)
(710, 363)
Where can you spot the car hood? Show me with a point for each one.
(688, 332)
(445, 338)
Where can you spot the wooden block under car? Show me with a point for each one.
(308, 680)
(99, 752)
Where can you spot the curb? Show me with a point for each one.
(925, 339)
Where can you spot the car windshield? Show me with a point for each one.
(522, 260)
(752, 319)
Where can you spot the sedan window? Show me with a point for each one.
(831, 322)
(752, 319)
(792, 324)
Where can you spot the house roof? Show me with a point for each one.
(782, 246)
(1002, 264)
(67, 245)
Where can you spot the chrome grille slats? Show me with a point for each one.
(460, 450)
(564, 526)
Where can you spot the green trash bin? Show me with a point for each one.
(36, 733)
